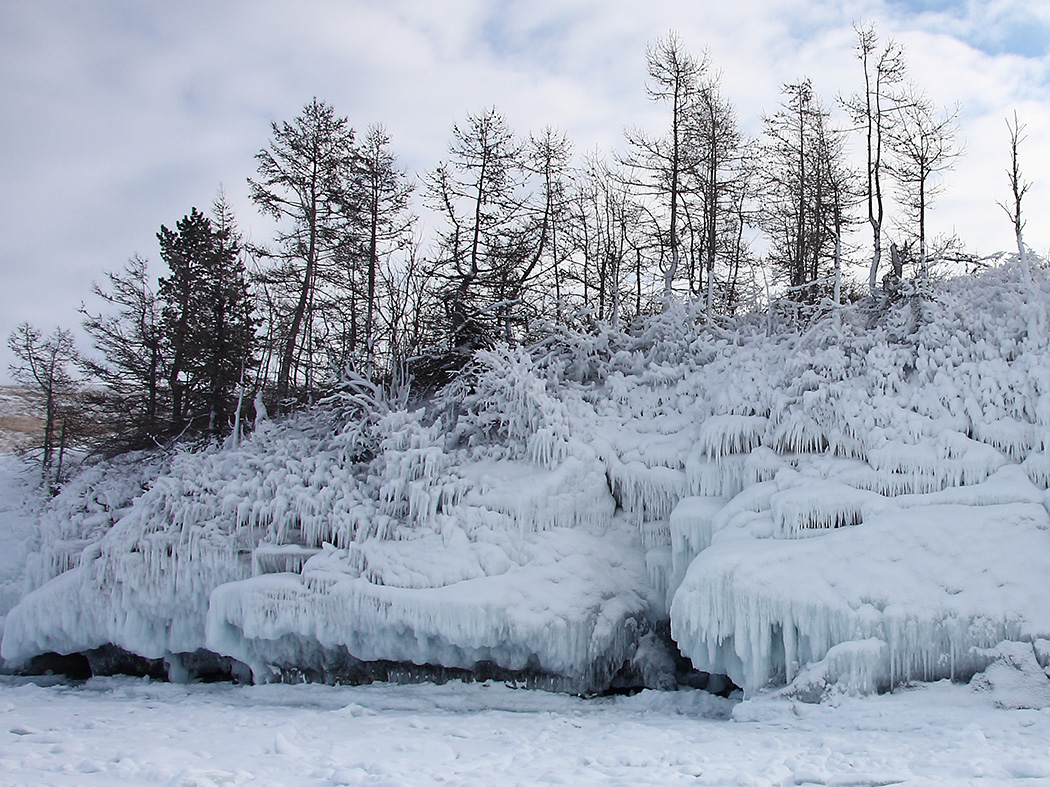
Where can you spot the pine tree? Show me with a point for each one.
(207, 317)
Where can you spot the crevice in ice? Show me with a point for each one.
(649, 493)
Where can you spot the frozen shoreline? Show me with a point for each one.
(135, 732)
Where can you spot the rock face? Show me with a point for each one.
(854, 503)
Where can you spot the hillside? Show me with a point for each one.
(847, 505)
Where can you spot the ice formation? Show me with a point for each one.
(853, 504)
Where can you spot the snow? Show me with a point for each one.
(18, 516)
(856, 502)
(932, 582)
(135, 732)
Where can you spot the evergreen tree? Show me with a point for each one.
(207, 319)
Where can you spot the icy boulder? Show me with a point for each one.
(1015, 678)
(853, 668)
(568, 605)
(933, 582)
(143, 590)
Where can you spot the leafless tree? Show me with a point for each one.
(44, 367)
(721, 178)
(1018, 188)
(875, 111)
(807, 193)
(387, 225)
(305, 181)
(477, 190)
(924, 146)
(658, 165)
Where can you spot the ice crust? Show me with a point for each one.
(856, 504)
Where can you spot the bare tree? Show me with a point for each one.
(717, 156)
(478, 192)
(924, 146)
(875, 111)
(609, 233)
(130, 361)
(806, 194)
(659, 165)
(305, 180)
(547, 161)
(44, 368)
(388, 223)
(1018, 188)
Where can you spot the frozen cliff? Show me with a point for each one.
(863, 494)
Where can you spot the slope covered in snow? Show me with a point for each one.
(18, 526)
(867, 487)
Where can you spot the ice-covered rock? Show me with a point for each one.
(932, 582)
(572, 610)
(553, 494)
(1014, 678)
(854, 668)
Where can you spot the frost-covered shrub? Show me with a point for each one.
(503, 400)
(413, 472)
(88, 506)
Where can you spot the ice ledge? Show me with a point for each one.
(578, 617)
(933, 583)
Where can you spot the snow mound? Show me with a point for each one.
(855, 668)
(1014, 679)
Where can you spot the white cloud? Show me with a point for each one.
(120, 116)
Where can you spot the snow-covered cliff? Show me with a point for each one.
(863, 495)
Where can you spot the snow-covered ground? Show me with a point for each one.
(18, 523)
(122, 731)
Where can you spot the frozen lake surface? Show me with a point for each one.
(117, 731)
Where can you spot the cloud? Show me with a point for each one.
(120, 116)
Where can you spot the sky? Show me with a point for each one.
(119, 116)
